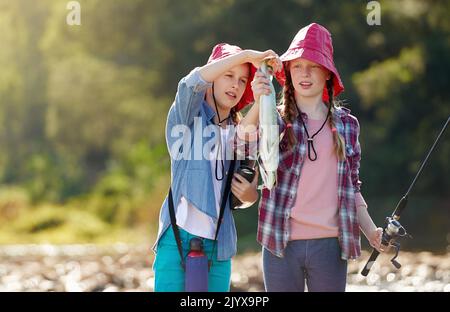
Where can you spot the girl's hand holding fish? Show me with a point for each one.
(260, 85)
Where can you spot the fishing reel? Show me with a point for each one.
(393, 230)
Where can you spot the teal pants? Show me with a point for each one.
(169, 275)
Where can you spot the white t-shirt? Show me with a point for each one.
(188, 216)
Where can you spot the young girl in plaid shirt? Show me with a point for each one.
(309, 224)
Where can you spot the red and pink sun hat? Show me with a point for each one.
(222, 50)
(313, 43)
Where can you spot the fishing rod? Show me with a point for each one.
(393, 229)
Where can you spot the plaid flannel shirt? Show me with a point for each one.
(275, 205)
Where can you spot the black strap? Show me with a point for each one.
(223, 204)
(175, 229)
(225, 195)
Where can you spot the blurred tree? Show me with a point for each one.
(83, 108)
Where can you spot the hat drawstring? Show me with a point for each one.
(219, 148)
(217, 111)
(311, 139)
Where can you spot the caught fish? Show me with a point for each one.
(268, 133)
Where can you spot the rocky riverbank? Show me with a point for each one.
(128, 268)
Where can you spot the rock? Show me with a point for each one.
(128, 268)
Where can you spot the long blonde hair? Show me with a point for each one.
(289, 113)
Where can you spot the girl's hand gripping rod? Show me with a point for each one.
(393, 229)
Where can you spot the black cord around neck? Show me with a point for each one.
(219, 148)
(311, 139)
(217, 111)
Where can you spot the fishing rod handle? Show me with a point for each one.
(400, 207)
(370, 262)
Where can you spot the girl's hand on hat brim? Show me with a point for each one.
(275, 63)
(257, 57)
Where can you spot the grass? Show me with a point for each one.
(62, 225)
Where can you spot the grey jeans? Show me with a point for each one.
(314, 261)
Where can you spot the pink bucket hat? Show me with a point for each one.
(313, 43)
(222, 50)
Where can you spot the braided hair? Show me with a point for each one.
(235, 116)
(289, 113)
(339, 143)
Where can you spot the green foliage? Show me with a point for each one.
(13, 201)
(120, 193)
(83, 108)
(57, 224)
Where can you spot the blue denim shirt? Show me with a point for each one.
(193, 178)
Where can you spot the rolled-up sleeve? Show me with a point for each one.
(180, 119)
(246, 139)
(190, 95)
(245, 142)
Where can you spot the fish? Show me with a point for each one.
(269, 137)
